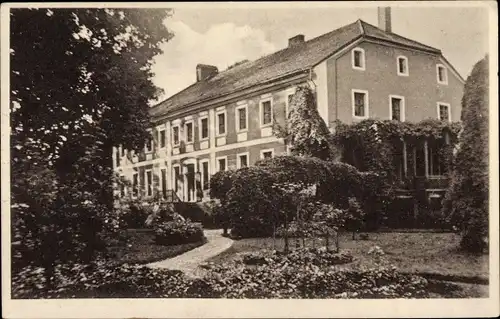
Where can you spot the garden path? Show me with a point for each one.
(190, 261)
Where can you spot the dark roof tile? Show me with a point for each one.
(277, 65)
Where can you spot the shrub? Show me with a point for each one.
(100, 280)
(311, 281)
(220, 184)
(253, 204)
(300, 257)
(178, 232)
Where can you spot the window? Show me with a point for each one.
(162, 138)
(436, 166)
(177, 177)
(266, 111)
(397, 108)
(205, 175)
(203, 128)
(163, 182)
(117, 157)
(242, 160)
(360, 103)
(221, 123)
(444, 112)
(221, 163)
(358, 59)
(135, 185)
(403, 66)
(265, 154)
(175, 135)
(189, 132)
(241, 119)
(149, 183)
(149, 145)
(442, 74)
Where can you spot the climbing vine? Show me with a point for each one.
(375, 142)
(304, 130)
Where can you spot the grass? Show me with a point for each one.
(428, 254)
(137, 246)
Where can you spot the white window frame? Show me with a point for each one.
(403, 106)
(217, 133)
(179, 135)
(237, 118)
(439, 113)
(200, 130)
(407, 73)
(367, 106)
(217, 159)
(186, 132)
(238, 159)
(266, 151)
(159, 138)
(261, 113)
(363, 59)
(146, 188)
(208, 168)
(438, 66)
(136, 186)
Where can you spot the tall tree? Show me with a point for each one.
(80, 84)
(81, 77)
(467, 198)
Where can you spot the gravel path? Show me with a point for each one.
(189, 261)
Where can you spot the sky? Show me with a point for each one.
(222, 36)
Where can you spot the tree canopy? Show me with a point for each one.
(80, 84)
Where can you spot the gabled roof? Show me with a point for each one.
(280, 64)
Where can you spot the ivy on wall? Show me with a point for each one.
(374, 143)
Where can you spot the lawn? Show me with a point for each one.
(434, 255)
(137, 246)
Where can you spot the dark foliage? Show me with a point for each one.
(178, 232)
(466, 201)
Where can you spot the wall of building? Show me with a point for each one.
(420, 88)
(252, 140)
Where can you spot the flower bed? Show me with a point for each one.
(310, 256)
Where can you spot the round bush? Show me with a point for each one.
(178, 232)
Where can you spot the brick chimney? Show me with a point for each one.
(296, 40)
(205, 72)
(384, 19)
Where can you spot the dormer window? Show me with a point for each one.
(442, 74)
(402, 66)
(358, 59)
